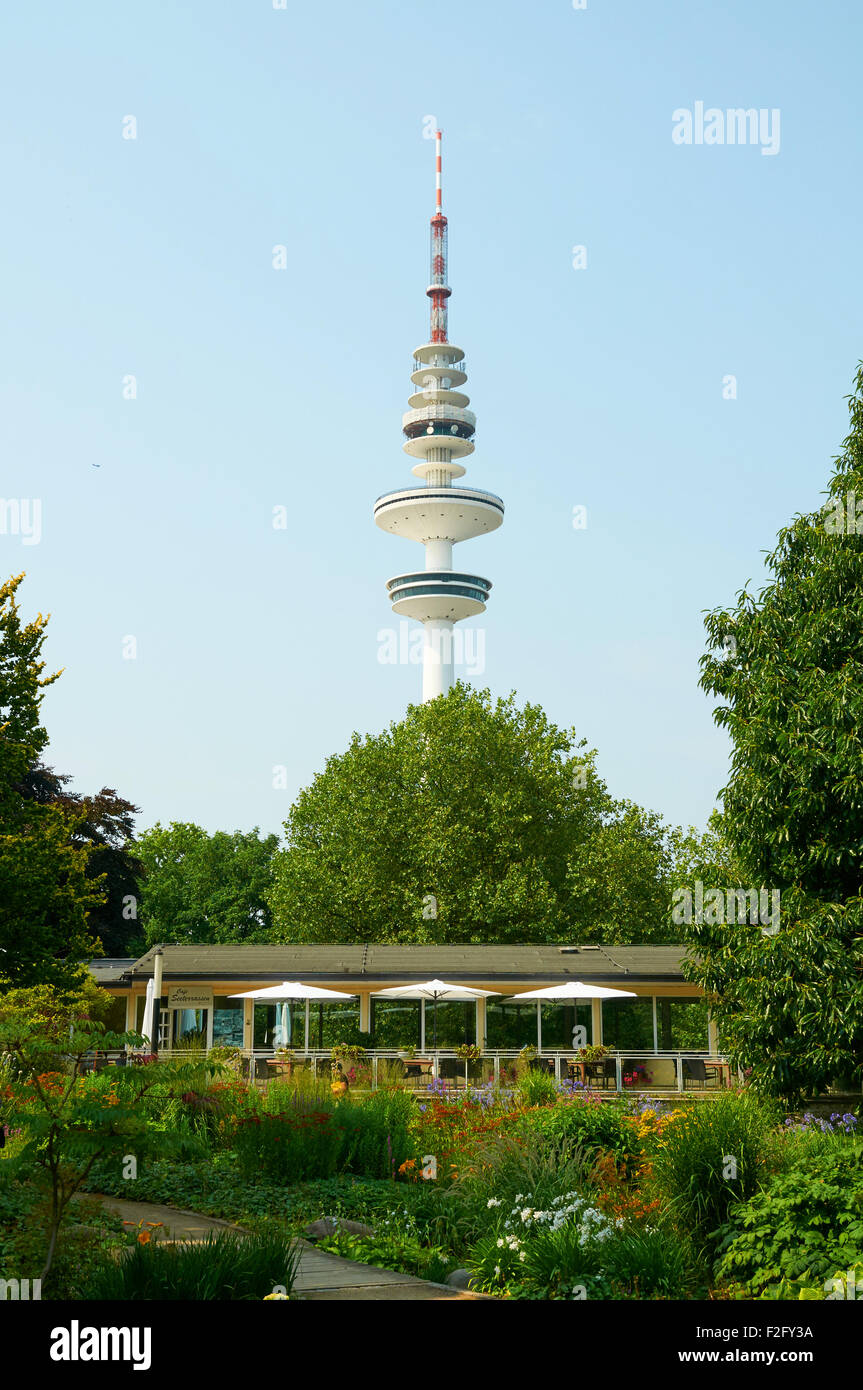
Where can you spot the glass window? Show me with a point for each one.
(627, 1023)
(396, 1022)
(333, 1023)
(189, 1028)
(681, 1024)
(510, 1024)
(227, 1022)
(560, 1017)
(456, 1022)
(282, 1024)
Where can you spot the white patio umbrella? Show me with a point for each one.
(434, 990)
(575, 989)
(292, 989)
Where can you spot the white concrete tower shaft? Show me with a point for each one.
(439, 431)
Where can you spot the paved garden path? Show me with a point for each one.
(321, 1276)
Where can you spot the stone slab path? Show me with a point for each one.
(321, 1277)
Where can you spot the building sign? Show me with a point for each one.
(185, 997)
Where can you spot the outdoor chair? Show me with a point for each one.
(601, 1072)
(700, 1072)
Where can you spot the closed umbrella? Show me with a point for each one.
(149, 1009)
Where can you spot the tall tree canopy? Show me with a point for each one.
(205, 888)
(787, 665)
(45, 892)
(105, 823)
(468, 821)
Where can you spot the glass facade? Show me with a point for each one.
(227, 1022)
(332, 1023)
(456, 1022)
(628, 1024)
(188, 1028)
(396, 1022)
(681, 1024)
(560, 1018)
(510, 1024)
(281, 1024)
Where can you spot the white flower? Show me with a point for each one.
(493, 1202)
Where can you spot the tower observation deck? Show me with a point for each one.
(439, 433)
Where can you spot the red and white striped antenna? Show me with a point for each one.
(438, 290)
(438, 207)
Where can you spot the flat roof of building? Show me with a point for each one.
(275, 963)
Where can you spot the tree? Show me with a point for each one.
(205, 888)
(467, 821)
(106, 823)
(788, 665)
(45, 894)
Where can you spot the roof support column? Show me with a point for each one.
(596, 1020)
(365, 1011)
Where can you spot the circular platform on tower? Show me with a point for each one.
(428, 594)
(439, 513)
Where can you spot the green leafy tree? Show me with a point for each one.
(205, 888)
(105, 824)
(467, 821)
(67, 1125)
(45, 893)
(787, 665)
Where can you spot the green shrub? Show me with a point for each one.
(537, 1088)
(224, 1266)
(592, 1126)
(376, 1133)
(804, 1226)
(713, 1155)
(649, 1262)
(502, 1171)
(290, 1146)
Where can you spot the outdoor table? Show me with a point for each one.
(417, 1067)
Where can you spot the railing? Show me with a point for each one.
(423, 492)
(441, 366)
(433, 411)
(621, 1071)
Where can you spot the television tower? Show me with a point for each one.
(439, 431)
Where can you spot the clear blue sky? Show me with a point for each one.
(600, 387)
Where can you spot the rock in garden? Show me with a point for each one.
(329, 1225)
(459, 1279)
